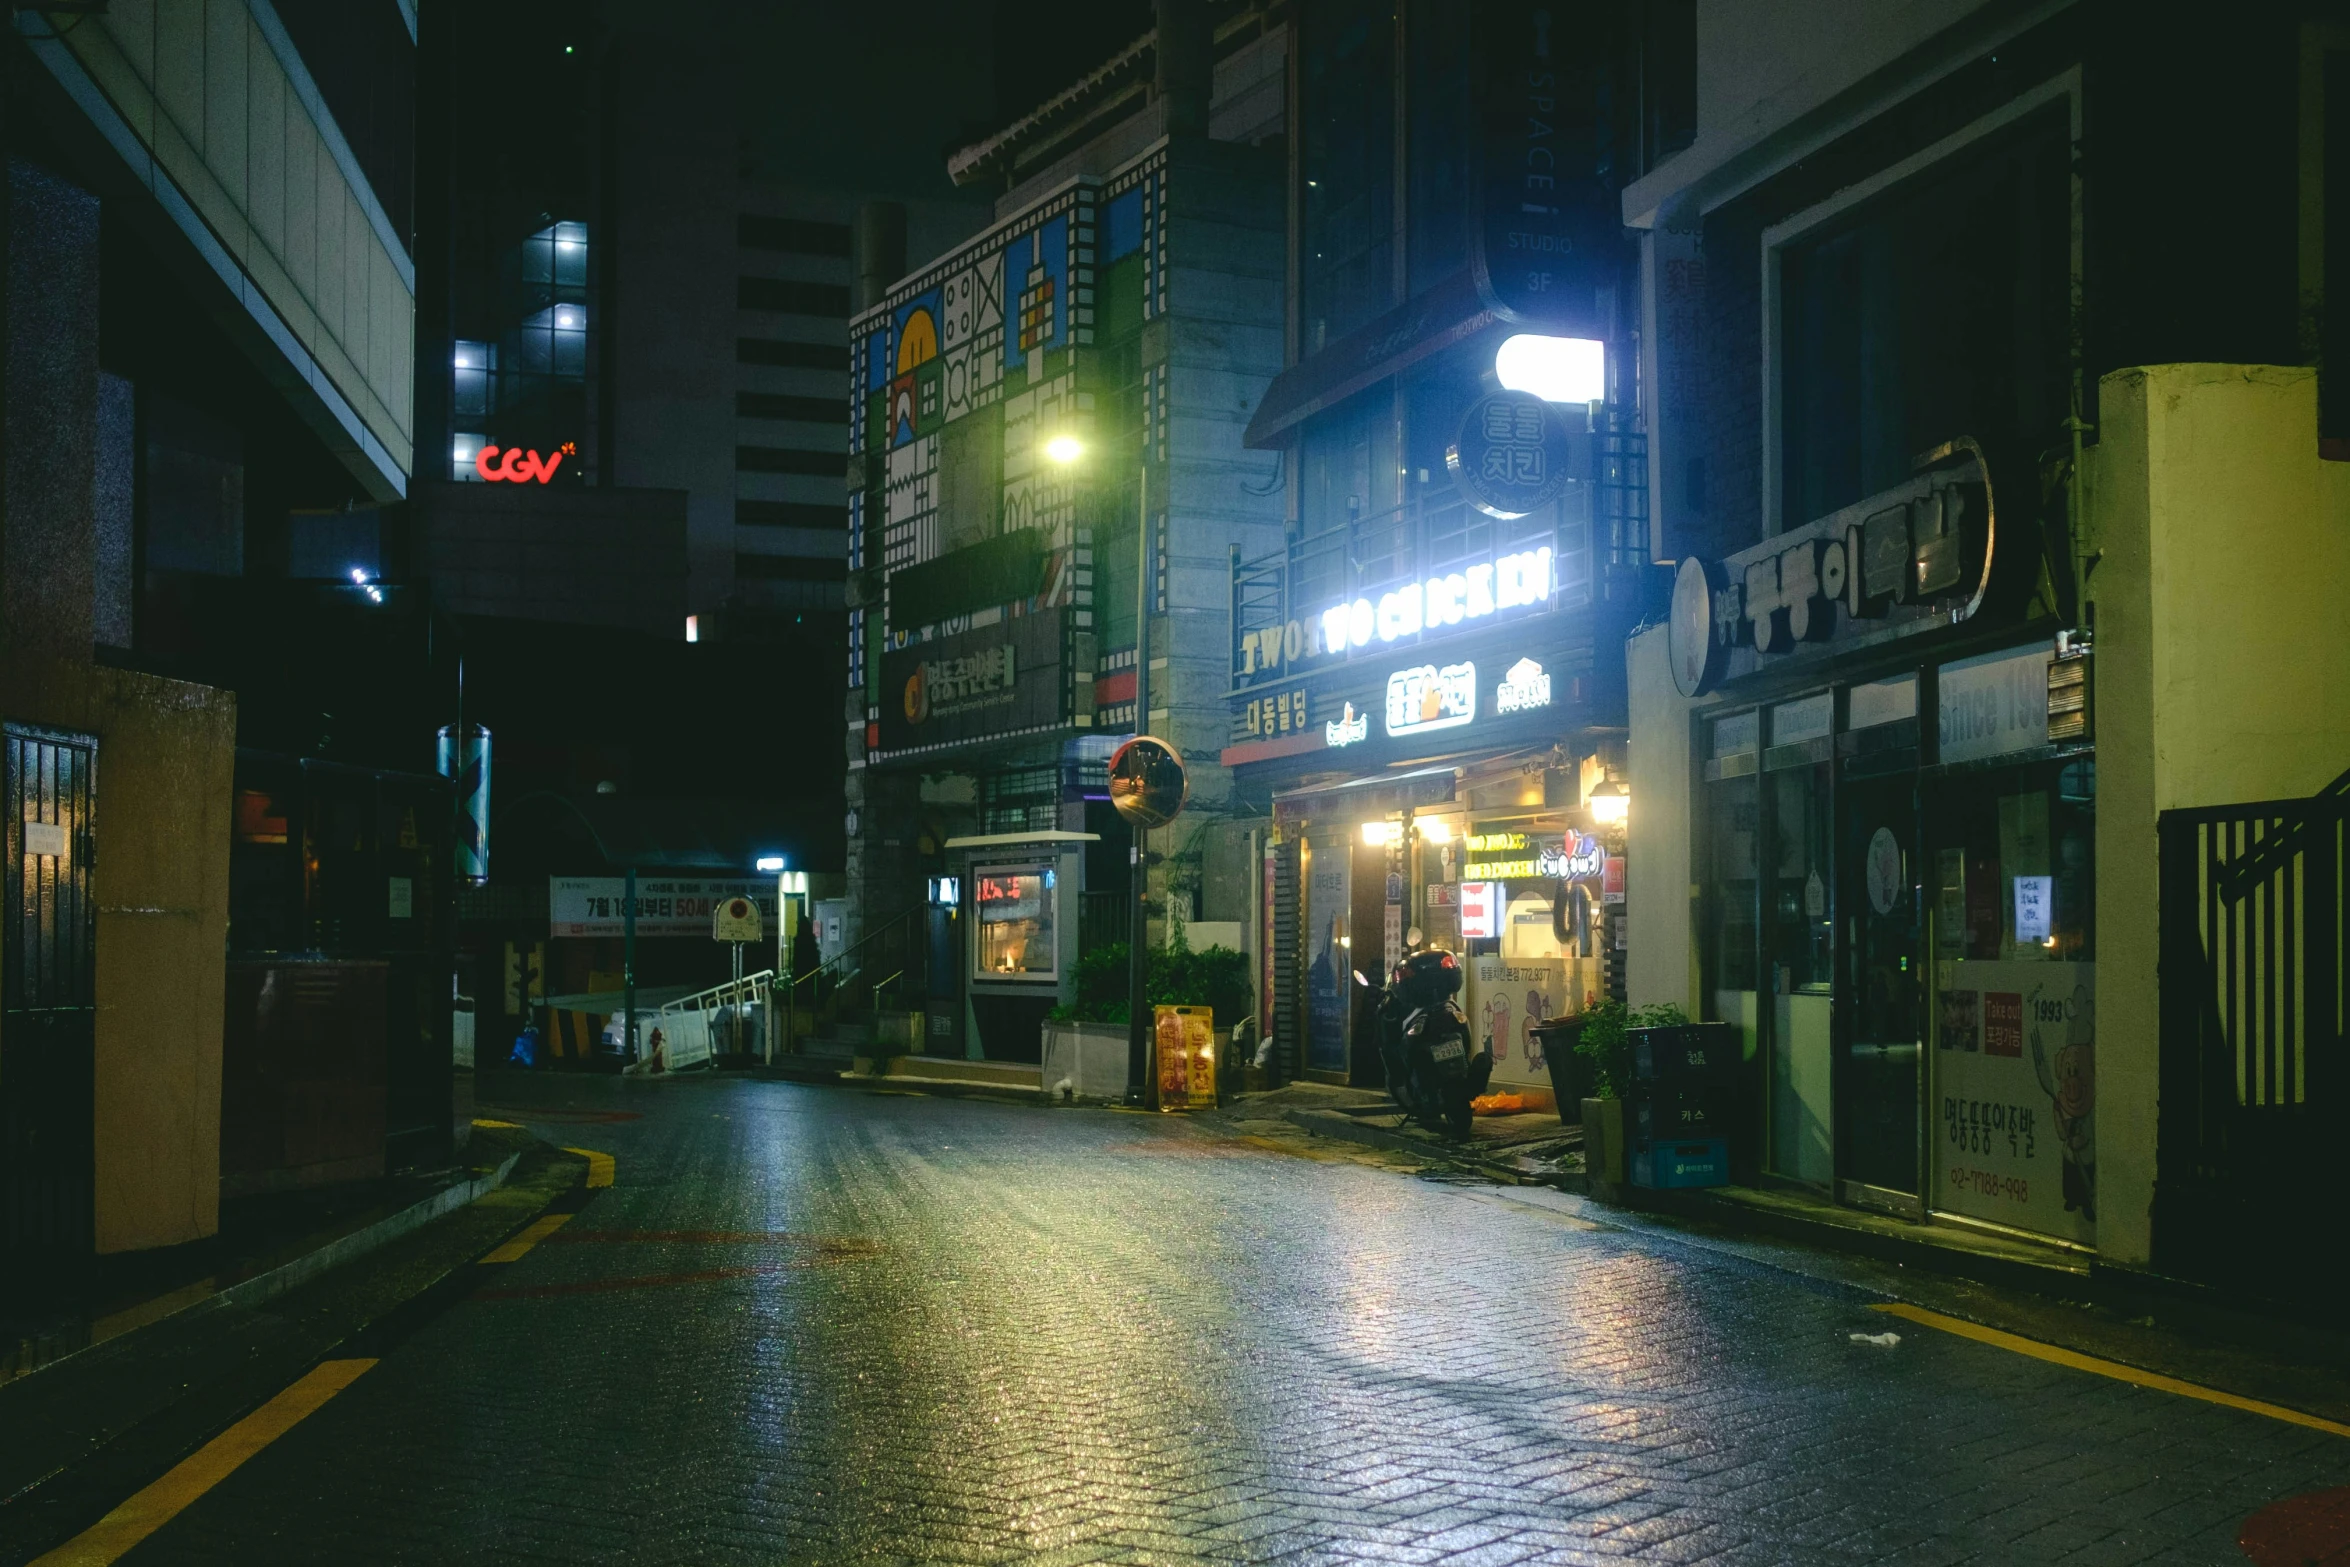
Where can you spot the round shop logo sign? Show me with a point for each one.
(917, 696)
(1512, 455)
(1692, 645)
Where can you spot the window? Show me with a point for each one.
(1442, 172)
(1940, 309)
(784, 459)
(792, 568)
(794, 235)
(471, 368)
(788, 514)
(792, 356)
(1346, 80)
(778, 405)
(462, 451)
(552, 342)
(1015, 906)
(791, 296)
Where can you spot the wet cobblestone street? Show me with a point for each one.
(813, 1326)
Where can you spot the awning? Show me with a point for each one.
(1449, 313)
(1377, 794)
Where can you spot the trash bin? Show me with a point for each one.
(1570, 1074)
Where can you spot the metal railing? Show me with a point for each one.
(734, 1018)
(1599, 528)
(2254, 1082)
(859, 978)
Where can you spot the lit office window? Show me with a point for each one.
(472, 368)
(462, 451)
(553, 342)
(556, 256)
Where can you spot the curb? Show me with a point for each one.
(296, 1271)
(2050, 1278)
(301, 1270)
(1347, 1128)
(945, 1087)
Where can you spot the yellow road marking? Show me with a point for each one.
(2106, 1368)
(503, 1126)
(108, 1538)
(599, 1166)
(538, 1230)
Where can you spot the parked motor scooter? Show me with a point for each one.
(1433, 1067)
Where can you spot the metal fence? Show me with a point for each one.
(2254, 1086)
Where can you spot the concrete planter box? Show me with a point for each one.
(1603, 1145)
(1088, 1060)
(1085, 1061)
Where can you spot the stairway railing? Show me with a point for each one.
(891, 955)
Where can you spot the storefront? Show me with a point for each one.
(1430, 707)
(1514, 860)
(1891, 820)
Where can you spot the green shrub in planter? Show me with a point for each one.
(1606, 1042)
(1215, 977)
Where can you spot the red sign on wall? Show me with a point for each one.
(513, 465)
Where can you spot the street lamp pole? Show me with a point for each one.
(1138, 1074)
(1141, 1082)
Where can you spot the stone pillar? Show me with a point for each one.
(47, 518)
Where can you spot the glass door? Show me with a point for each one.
(1877, 1097)
(1798, 947)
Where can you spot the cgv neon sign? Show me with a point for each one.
(513, 465)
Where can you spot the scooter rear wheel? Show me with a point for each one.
(1457, 1114)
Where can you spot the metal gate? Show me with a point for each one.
(2254, 1084)
(48, 993)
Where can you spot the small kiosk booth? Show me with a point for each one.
(1019, 895)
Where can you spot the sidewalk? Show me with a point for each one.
(1517, 1148)
(95, 1422)
(266, 1246)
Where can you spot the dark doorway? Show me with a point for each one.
(48, 996)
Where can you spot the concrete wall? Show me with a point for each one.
(1661, 886)
(226, 117)
(2223, 676)
(166, 771)
(1225, 280)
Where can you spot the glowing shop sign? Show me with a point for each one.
(1578, 857)
(1526, 685)
(1500, 856)
(513, 465)
(1480, 910)
(1512, 582)
(1427, 698)
(1347, 728)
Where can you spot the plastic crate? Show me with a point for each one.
(1703, 1161)
(1662, 1113)
(1685, 1053)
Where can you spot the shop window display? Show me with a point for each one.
(1015, 905)
(2012, 906)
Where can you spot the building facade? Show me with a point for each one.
(1428, 719)
(1943, 784)
(209, 350)
(1045, 448)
